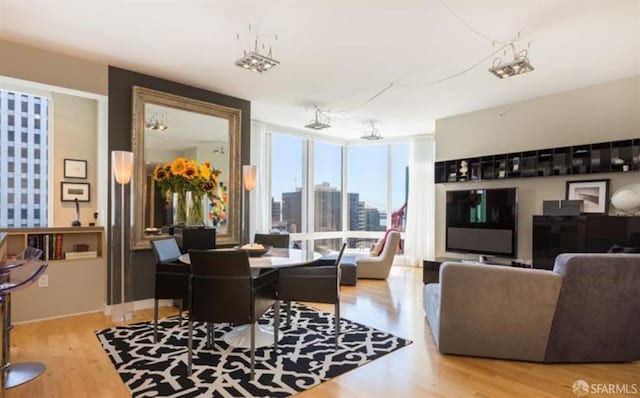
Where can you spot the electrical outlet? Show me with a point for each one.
(43, 281)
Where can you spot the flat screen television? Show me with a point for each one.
(483, 221)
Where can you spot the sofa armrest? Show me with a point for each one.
(496, 311)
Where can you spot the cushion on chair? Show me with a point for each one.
(377, 248)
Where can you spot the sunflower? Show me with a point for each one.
(205, 171)
(190, 171)
(178, 166)
(159, 173)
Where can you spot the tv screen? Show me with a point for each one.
(482, 221)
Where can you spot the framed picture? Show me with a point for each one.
(75, 190)
(594, 194)
(74, 168)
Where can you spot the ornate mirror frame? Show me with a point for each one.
(142, 96)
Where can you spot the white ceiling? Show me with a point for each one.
(338, 53)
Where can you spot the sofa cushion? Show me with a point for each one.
(596, 319)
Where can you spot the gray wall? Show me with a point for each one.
(606, 112)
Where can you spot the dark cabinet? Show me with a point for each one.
(553, 235)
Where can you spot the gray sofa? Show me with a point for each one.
(586, 310)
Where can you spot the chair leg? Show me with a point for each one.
(155, 321)
(252, 325)
(180, 309)
(288, 304)
(276, 323)
(337, 321)
(190, 348)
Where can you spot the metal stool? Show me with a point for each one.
(14, 277)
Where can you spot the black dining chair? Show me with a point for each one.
(223, 290)
(280, 241)
(314, 283)
(172, 278)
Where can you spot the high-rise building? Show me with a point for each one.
(354, 211)
(292, 210)
(328, 208)
(275, 212)
(23, 159)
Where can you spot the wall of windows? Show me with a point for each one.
(355, 192)
(23, 159)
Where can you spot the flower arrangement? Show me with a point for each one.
(182, 176)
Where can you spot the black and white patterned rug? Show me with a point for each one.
(306, 357)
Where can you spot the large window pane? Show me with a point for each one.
(327, 187)
(367, 187)
(286, 183)
(21, 198)
(399, 185)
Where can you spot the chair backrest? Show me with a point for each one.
(596, 319)
(280, 241)
(221, 286)
(165, 250)
(390, 245)
(30, 253)
(340, 253)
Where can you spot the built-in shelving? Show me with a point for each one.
(604, 157)
(56, 242)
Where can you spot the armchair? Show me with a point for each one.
(378, 267)
(585, 310)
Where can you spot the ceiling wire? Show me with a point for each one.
(471, 28)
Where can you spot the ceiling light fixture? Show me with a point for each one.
(321, 122)
(518, 66)
(157, 121)
(254, 60)
(373, 135)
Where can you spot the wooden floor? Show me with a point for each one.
(77, 366)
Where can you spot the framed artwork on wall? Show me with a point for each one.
(593, 193)
(75, 168)
(70, 191)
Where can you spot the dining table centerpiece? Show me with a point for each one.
(191, 184)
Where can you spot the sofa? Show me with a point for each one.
(586, 310)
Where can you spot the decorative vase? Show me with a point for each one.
(195, 215)
(180, 209)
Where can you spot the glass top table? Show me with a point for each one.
(275, 258)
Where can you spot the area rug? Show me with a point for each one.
(306, 357)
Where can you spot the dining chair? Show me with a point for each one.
(280, 241)
(314, 283)
(222, 290)
(30, 253)
(172, 278)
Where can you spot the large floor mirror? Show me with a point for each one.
(171, 132)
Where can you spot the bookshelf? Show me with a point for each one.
(74, 286)
(56, 242)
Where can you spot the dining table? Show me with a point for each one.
(240, 336)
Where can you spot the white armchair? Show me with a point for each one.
(378, 267)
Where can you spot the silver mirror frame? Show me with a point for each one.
(142, 96)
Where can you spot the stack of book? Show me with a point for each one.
(75, 255)
(50, 244)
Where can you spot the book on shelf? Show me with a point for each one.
(74, 255)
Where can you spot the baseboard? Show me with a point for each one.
(141, 305)
(55, 317)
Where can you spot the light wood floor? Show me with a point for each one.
(77, 366)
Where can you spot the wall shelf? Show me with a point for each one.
(47, 239)
(604, 157)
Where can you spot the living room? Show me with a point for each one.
(402, 139)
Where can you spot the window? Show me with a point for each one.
(25, 176)
(327, 187)
(367, 187)
(308, 181)
(286, 183)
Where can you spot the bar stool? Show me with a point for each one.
(15, 277)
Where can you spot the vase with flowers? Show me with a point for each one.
(190, 183)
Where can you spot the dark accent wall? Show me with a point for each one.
(121, 82)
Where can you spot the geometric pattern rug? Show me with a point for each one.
(306, 356)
